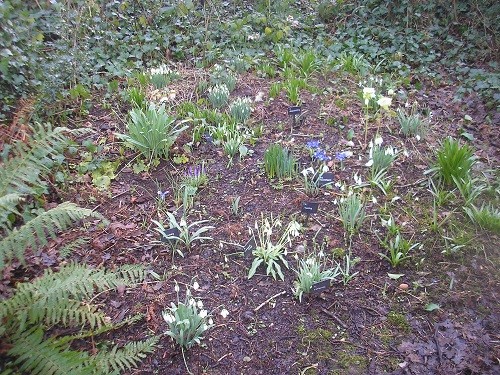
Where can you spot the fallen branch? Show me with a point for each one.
(267, 300)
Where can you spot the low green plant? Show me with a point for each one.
(352, 213)
(353, 63)
(241, 109)
(398, 249)
(311, 271)
(347, 267)
(487, 216)
(44, 317)
(196, 176)
(187, 321)
(275, 89)
(292, 87)
(220, 76)
(235, 206)
(470, 189)
(308, 62)
(162, 76)
(270, 252)
(267, 70)
(380, 158)
(152, 131)
(411, 123)
(279, 162)
(218, 95)
(453, 161)
(185, 233)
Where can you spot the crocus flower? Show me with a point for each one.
(384, 102)
(368, 93)
(312, 144)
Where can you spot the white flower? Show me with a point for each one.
(196, 286)
(368, 93)
(348, 154)
(210, 321)
(295, 228)
(259, 96)
(321, 254)
(390, 151)
(378, 141)
(325, 168)
(224, 313)
(384, 102)
(183, 222)
(369, 163)
(418, 137)
(176, 287)
(374, 200)
(390, 92)
(199, 304)
(203, 314)
(335, 202)
(192, 302)
(357, 179)
(349, 144)
(168, 317)
(308, 171)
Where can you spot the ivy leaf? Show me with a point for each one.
(431, 307)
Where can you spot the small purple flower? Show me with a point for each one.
(313, 144)
(162, 195)
(340, 156)
(321, 155)
(194, 172)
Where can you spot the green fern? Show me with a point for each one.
(67, 250)
(119, 359)
(37, 355)
(23, 172)
(8, 205)
(57, 298)
(37, 231)
(51, 298)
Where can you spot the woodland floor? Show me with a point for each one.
(372, 325)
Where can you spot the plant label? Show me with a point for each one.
(208, 138)
(169, 234)
(320, 286)
(325, 178)
(249, 247)
(294, 111)
(309, 207)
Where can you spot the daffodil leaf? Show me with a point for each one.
(431, 307)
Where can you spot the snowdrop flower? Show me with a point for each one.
(224, 313)
(374, 200)
(199, 304)
(308, 171)
(417, 137)
(203, 314)
(295, 228)
(349, 144)
(378, 141)
(369, 163)
(321, 254)
(368, 93)
(183, 222)
(176, 287)
(192, 302)
(259, 97)
(406, 153)
(196, 286)
(357, 179)
(386, 223)
(335, 202)
(210, 321)
(325, 168)
(384, 102)
(390, 151)
(348, 154)
(390, 92)
(168, 317)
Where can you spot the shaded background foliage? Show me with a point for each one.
(50, 46)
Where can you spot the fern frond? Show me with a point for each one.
(37, 231)
(37, 355)
(22, 172)
(8, 205)
(66, 250)
(126, 357)
(50, 297)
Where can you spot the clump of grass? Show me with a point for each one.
(486, 217)
(218, 95)
(454, 162)
(279, 162)
(411, 123)
(352, 213)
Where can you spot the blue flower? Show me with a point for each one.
(321, 155)
(313, 144)
(340, 156)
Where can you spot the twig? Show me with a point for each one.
(267, 300)
(334, 317)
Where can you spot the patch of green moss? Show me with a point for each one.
(399, 321)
